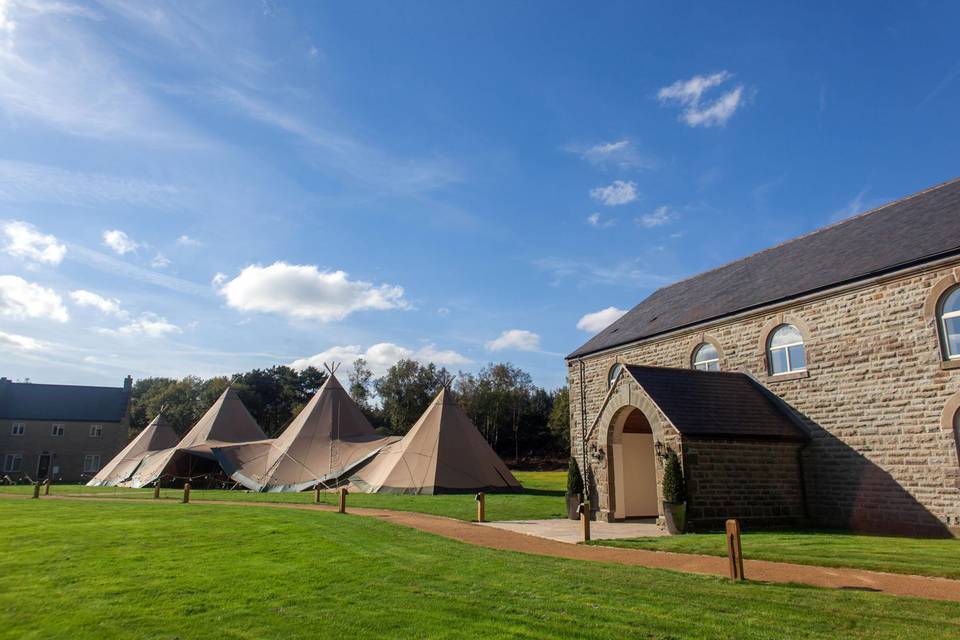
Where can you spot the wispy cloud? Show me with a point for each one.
(381, 356)
(107, 306)
(160, 261)
(599, 320)
(28, 182)
(617, 193)
(624, 273)
(119, 242)
(516, 340)
(856, 205)
(121, 268)
(597, 221)
(13, 341)
(187, 241)
(697, 112)
(149, 325)
(657, 218)
(621, 154)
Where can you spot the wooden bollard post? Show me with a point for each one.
(186, 492)
(584, 510)
(46, 487)
(36, 489)
(734, 550)
(316, 494)
(342, 508)
(481, 507)
(156, 490)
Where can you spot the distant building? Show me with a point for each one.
(815, 382)
(63, 432)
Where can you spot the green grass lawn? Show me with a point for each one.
(543, 497)
(824, 548)
(94, 569)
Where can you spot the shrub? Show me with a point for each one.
(674, 488)
(574, 481)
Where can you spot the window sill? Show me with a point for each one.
(950, 364)
(784, 377)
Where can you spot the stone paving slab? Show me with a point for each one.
(571, 531)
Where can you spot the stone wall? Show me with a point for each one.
(882, 455)
(757, 482)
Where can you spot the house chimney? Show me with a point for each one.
(128, 384)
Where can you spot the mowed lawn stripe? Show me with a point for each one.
(120, 570)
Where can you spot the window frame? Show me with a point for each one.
(613, 373)
(58, 430)
(696, 351)
(786, 350)
(90, 457)
(942, 330)
(96, 431)
(14, 429)
(11, 457)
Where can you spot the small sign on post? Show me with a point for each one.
(36, 489)
(316, 494)
(342, 508)
(186, 492)
(584, 511)
(734, 550)
(481, 507)
(46, 487)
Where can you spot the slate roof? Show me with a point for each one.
(916, 229)
(717, 404)
(23, 401)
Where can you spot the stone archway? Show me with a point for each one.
(623, 399)
(633, 465)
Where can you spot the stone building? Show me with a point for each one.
(815, 383)
(63, 432)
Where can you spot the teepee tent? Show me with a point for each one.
(154, 437)
(328, 438)
(226, 421)
(442, 453)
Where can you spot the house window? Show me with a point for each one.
(17, 429)
(12, 462)
(614, 372)
(949, 316)
(706, 358)
(57, 430)
(96, 431)
(91, 463)
(786, 351)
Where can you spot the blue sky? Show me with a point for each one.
(211, 187)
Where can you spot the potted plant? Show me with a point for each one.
(674, 494)
(574, 490)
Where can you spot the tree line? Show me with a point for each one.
(519, 419)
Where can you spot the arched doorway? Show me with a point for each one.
(634, 466)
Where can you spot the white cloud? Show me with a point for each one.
(218, 279)
(160, 261)
(25, 241)
(617, 154)
(187, 241)
(597, 221)
(119, 241)
(617, 193)
(21, 299)
(519, 339)
(14, 342)
(147, 324)
(381, 356)
(657, 218)
(108, 306)
(303, 291)
(697, 112)
(598, 320)
(443, 312)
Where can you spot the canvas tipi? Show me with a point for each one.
(156, 436)
(328, 438)
(442, 453)
(226, 421)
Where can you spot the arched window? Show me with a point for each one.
(785, 349)
(948, 314)
(612, 375)
(706, 358)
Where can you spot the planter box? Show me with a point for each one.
(573, 501)
(675, 516)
